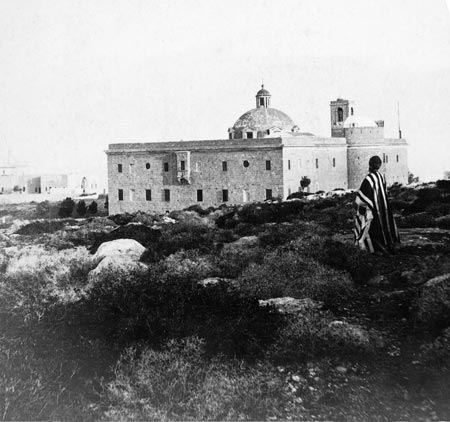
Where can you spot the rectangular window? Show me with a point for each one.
(387, 158)
(225, 195)
(131, 168)
(317, 163)
(167, 195)
(183, 165)
(268, 165)
(334, 162)
(268, 193)
(249, 135)
(289, 191)
(384, 157)
(199, 195)
(119, 168)
(148, 194)
(120, 194)
(224, 166)
(289, 164)
(397, 158)
(166, 166)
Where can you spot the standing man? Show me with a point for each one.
(375, 228)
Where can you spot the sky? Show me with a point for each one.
(77, 75)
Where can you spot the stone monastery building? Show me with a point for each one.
(265, 156)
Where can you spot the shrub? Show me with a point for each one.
(316, 245)
(188, 264)
(81, 208)
(178, 382)
(286, 273)
(40, 227)
(92, 208)
(422, 219)
(439, 209)
(443, 185)
(43, 209)
(231, 262)
(443, 222)
(66, 208)
(315, 333)
(437, 352)
(160, 305)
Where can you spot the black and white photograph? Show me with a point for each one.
(224, 210)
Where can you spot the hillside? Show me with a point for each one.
(258, 312)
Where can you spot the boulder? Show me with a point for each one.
(377, 281)
(433, 305)
(351, 333)
(117, 265)
(290, 305)
(242, 243)
(215, 281)
(119, 248)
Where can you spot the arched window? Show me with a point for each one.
(340, 114)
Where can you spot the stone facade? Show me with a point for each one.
(265, 156)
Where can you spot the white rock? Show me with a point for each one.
(290, 305)
(118, 265)
(130, 248)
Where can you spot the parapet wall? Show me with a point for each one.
(364, 135)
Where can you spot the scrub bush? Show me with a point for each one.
(287, 273)
(179, 382)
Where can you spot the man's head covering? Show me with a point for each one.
(374, 163)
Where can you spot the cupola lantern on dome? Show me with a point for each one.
(263, 98)
(262, 121)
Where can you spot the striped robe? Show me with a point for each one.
(375, 228)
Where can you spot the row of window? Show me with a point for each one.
(245, 163)
(166, 195)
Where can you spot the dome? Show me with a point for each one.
(262, 119)
(262, 92)
(359, 121)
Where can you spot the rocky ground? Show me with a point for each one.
(263, 312)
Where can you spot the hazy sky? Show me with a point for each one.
(76, 75)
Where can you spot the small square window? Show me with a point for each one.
(268, 193)
(225, 195)
(249, 135)
(120, 194)
(148, 194)
(147, 166)
(246, 163)
(166, 166)
(224, 166)
(167, 195)
(119, 168)
(268, 165)
(199, 195)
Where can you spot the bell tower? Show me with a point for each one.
(263, 98)
(339, 111)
